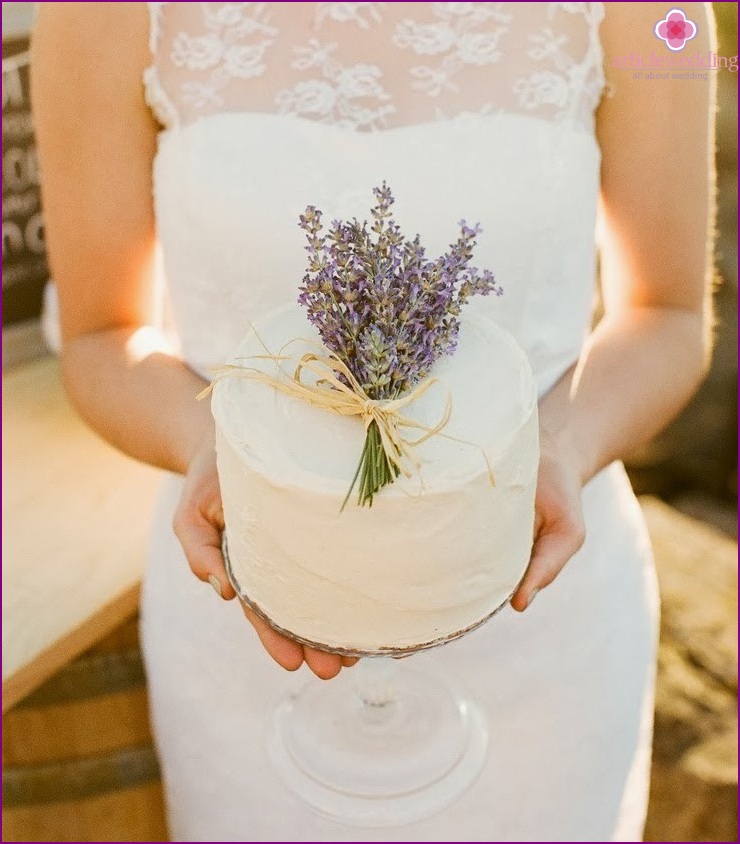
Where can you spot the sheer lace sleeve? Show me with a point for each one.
(375, 66)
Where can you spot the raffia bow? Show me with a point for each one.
(329, 392)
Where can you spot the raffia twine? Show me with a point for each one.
(330, 393)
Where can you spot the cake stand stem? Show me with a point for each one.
(374, 681)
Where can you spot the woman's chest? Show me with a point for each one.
(229, 190)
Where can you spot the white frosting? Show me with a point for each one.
(435, 554)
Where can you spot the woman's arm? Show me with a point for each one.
(649, 353)
(96, 140)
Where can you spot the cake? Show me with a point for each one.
(435, 555)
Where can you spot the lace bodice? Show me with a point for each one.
(482, 111)
(374, 66)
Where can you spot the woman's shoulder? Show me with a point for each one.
(88, 62)
(99, 38)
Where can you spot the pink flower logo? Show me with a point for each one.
(675, 29)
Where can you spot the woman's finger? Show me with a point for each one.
(322, 664)
(284, 651)
(201, 542)
(552, 550)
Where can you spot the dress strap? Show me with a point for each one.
(588, 81)
(154, 92)
(597, 79)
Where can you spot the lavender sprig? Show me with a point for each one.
(385, 309)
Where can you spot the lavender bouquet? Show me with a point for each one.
(386, 311)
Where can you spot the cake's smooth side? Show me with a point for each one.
(404, 573)
(412, 569)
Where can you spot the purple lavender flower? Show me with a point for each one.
(384, 308)
(379, 303)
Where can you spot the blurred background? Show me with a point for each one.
(77, 758)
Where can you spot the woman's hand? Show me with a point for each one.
(198, 524)
(558, 525)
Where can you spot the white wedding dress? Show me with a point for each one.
(482, 111)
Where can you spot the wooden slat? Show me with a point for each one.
(62, 651)
(76, 516)
(79, 779)
(134, 814)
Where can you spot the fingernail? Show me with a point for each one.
(532, 596)
(216, 583)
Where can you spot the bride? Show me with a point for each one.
(204, 129)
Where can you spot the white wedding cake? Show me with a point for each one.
(435, 555)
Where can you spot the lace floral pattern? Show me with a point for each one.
(362, 14)
(370, 66)
(457, 38)
(233, 46)
(561, 79)
(348, 96)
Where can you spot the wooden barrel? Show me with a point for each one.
(78, 761)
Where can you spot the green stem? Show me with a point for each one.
(369, 472)
(354, 479)
(374, 469)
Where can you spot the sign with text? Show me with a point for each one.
(25, 269)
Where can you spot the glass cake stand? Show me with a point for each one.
(383, 744)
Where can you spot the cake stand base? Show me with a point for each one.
(379, 745)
